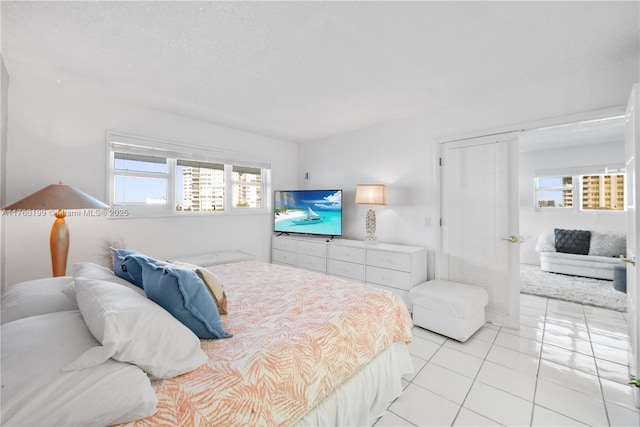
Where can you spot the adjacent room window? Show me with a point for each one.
(585, 189)
(602, 192)
(156, 177)
(554, 192)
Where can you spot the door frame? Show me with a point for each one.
(508, 314)
(497, 131)
(516, 127)
(632, 137)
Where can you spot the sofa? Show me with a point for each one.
(581, 252)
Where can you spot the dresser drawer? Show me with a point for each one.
(345, 253)
(393, 278)
(283, 257)
(285, 244)
(312, 248)
(312, 263)
(346, 269)
(394, 260)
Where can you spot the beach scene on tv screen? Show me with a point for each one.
(310, 212)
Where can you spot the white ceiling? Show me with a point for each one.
(600, 131)
(307, 70)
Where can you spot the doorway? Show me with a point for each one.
(480, 220)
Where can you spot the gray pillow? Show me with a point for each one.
(608, 244)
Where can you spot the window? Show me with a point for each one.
(602, 192)
(247, 187)
(554, 192)
(199, 186)
(136, 172)
(593, 190)
(156, 177)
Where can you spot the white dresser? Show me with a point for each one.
(394, 267)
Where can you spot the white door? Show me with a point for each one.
(479, 201)
(632, 142)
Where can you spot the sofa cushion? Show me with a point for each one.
(546, 242)
(572, 241)
(608, 244)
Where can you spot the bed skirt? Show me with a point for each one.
(365, 396)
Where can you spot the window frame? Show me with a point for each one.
(537, 189)
(608, 173)
(577, 174)
(173, 153)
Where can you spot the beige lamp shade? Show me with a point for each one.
(371, 194)
(58, 197)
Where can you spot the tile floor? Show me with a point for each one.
(565, 366)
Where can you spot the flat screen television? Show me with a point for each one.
(308, 212)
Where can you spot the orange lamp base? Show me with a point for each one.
(59, 244)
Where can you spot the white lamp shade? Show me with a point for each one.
(371, 194)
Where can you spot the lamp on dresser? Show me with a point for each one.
(371, 194)
(57, 197)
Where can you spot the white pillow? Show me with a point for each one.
(35, 297)
(134, 329)
(35, 391)
(90, 270)
(546, 242)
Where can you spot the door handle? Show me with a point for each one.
(511, 239)
(631, 260)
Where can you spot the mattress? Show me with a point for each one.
(298, 338)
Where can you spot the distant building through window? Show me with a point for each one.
(603, 192)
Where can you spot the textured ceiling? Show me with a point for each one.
(306, 70)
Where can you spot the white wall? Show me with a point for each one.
(401, 154)
(533, 222)
(404, 155)
(57, 132)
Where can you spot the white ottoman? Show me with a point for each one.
(452, 309)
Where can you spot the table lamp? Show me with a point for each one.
(371, 194)
(58, 197)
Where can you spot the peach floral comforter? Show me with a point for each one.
(297, 336)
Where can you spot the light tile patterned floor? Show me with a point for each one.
(565, 366)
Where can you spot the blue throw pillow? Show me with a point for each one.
(183, 294)
(128, 265)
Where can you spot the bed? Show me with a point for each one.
(306, 349)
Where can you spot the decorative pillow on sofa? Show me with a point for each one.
(546, 242)
(183, 294)
(133, 329)
(572, 241)
(36, 392)
(608, 244)
(34, 297)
